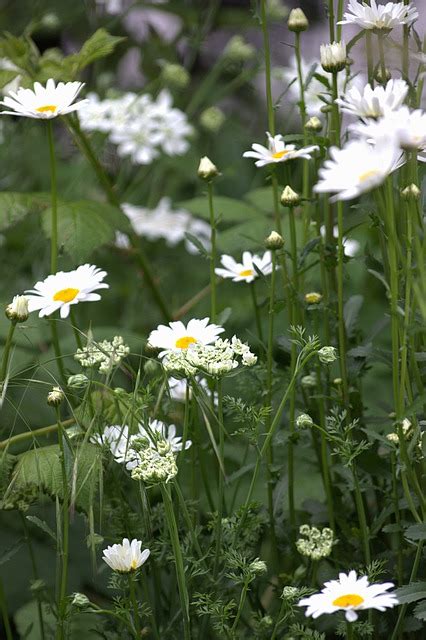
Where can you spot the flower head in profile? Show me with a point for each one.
(245, 270)
(350, 594)
(125, 557)
(374, 103)
(379, 17)
(177, 336)
(157, 429)
(277, 151)
(65, 288)
(333, 56)
(357, 168)
(44, 102)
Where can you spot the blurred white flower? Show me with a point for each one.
(350, 247)
(177, 336)
(277, 151)
(44, 102)
(125, 557)
(65, 288)
(374, 103)
(166, 432)
(244, 271)
(380, 17)
(357, 168)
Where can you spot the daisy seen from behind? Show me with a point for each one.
(350, 594)
(245, 271)
(176, 336)
(156, 428)
(374, 103)
(44, 102)
(357, 167)
(277, 151)
(380, 17)
(66, 288)
(125, 557)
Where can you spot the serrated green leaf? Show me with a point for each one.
(99, 45)
(416, 532)
(15, 206)
(420, 610)
(41, 524)
(411, 592)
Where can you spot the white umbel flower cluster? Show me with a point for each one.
(140, 126)
(314, 543)
(104, 355)
(216, 360)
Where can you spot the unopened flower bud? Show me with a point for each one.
(55, 397)
(297, 21)
(333, 56)
(17, 310)
(411, 192)
(304, 421)
(258, 566)
(206, 169)
(313, 124)
(309, 381)
(327, 355)
(238, 50)
(80, 601)
(78, 381)
(326, 108)
(379, 75)
(274, 241)
(337, 382)
(212, 119)
(289, 198)
(175, 76)
(393, 437)
(313, 297)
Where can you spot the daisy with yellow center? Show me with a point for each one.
(245, 271)
(177, 336)
(44, 102)
(125, 557)
(350, 594)
(277, 151)
(61, 290)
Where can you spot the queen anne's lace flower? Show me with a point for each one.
(313, 543)
(103, 355)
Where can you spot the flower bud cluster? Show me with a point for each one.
(313, 543)
(103, 355)
(152, 465)
(304, 421)
(327, 355)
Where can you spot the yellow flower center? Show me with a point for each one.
(184, 342)
(349, 600)
(368, 174)
(134, 565)
(280, 154)
(66, 295)
(46, 108)
(246, 272)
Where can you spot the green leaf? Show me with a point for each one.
(351, 313)
(411, 592)
(99, 45)
(5, 556)
(416, 532)
(227, 209)
(41, 524)
(15, 206)
(83, 226)
(420, 610)
(7, 75)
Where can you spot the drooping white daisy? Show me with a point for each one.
(277, 151)
(350, 594)
(350, 246)
(177, 336)
(407, 127)
(111, 435)
(65, 288)
(374, 103)
(380, 17)
(125, 557)
(244, 271)
(357, 168)
(44, 102)
(166, 432)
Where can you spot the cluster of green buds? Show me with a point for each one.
(153, 465)
(327, 355)
(314, 543)
(104, 355)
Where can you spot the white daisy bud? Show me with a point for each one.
(333, 56)
(274, 241)
(411, 192)
(80, 601)
(289, 198)
(175, 76)
(313, 297)
(304, 421)
(297, 21)
(313, 124)
(17, 310)
(238, 50)
(55, 397)
(207, 170)
(327, 355)
(382, 79)
(258, 566)
(212, 119)
(78, 381)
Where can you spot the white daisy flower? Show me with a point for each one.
(357, 168)
(125, 557)
(244, 271)
(65, 288)
(379, 16)
(408, 128)
(350, 594)
(166, 432)
(333, 56)
(177, 336)
(277, 151)
(350, 247)
(374, 103)
(44, 102)
(177, 388)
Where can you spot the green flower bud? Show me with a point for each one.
(297, 21)
(212, 119)
(78, 381)
(327, 355)
(175, 76)
(274, 241)
(55, 397)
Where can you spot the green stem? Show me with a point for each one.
(6, 352)
(256, 311)
(3, 608)
(349, 631)
(269, 368)
(362, 519)
(77, 333)
(177, 552)
(370, 62)
(241, 603)
(413, 576)
(35, 573)
(221, 479)
(54, 196)
(331, 20)
(340, 306)
(212, 254)
(382, 58)
(400, 539)
(267, 54)
(136, 619)
(57, 351)
(62, 599)
(43, 431)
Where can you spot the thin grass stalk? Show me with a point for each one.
(256, 311)
(35, 573)
(62, 599)
(212, 253)
(221, 479)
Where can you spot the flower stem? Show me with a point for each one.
(3, 608)
(240, 605)
(54, 196)
(413, 576)
(43, 431)
(269, 368)
(177, 552)
(62, 599)
(57, 350)
(267, 55)
(6, 351)
(135, 606)
(349, 631)
(35, 573)
(77, 333)
(361, 517)
(213, 253)
(221, 478)
(256, 312)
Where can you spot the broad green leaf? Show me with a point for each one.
(99, 45)
(227, 210)
(261, 199)
(7, 75)
(411, 592)
(20, 51)
(420, 610)
(15, 206)
(83, 226)
(351, 313)
(416, 532)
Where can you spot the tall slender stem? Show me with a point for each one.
(267, 55)
(54, 196)
(35, 573)
(362, 519)
(6, 351)
(62, 599)
(221, 478)
(256, 311)
(269, 368)
(135, 606)
(212, 253)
